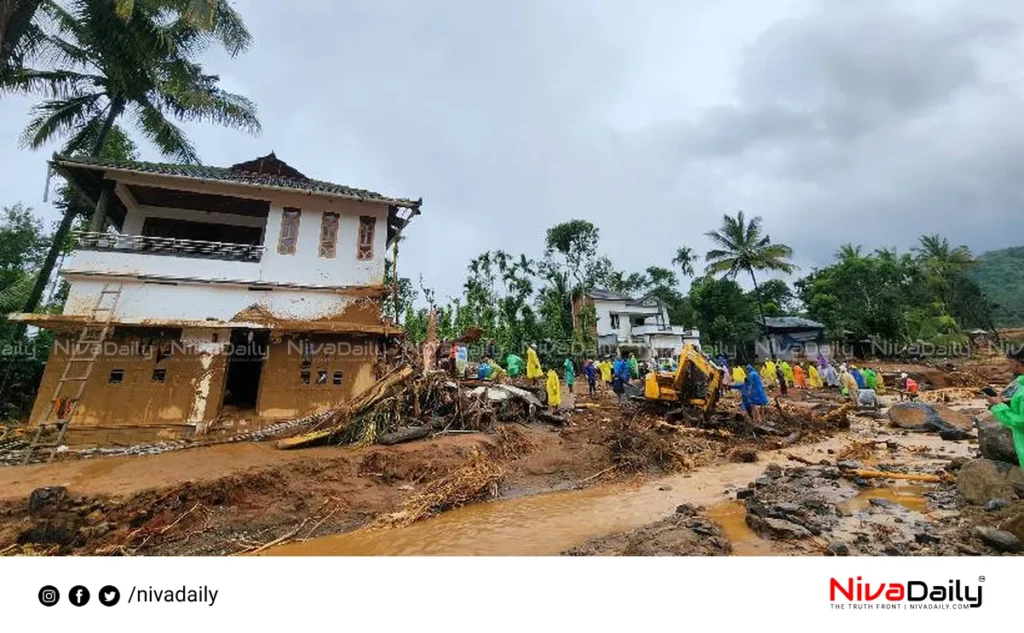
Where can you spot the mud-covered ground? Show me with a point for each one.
(247, 497)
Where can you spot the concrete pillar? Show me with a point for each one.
(99, 216)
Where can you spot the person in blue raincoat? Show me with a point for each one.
(858, 377)
(483, 370)
(758, 396)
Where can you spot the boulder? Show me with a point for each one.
(982, 479)
(996, 441)
(998, 539)
(837, 549)
(42, 498)
(776, 528)
(920, 416)
(1014, 525)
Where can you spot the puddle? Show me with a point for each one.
(910, 497)
(732, 517)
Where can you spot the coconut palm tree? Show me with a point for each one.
(744, 247)
(96, 67)
(685, 258)
(20, 29)
(848, 252)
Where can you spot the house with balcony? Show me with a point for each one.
(247, 292)
(638, 326)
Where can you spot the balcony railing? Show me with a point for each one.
(168, 246)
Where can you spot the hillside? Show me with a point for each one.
(1001, 275)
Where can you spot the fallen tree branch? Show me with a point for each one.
(801, 460)
(276, 541)
(881, 474)
(596, 475)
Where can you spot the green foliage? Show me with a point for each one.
(1000, 276)
(724, 314)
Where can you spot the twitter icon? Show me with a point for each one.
(109, 596)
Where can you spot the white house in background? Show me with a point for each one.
(250, 288)
(638, 325)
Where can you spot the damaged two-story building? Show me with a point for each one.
(248, 292)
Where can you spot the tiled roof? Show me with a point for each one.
(607, 295)
(792, 323)
(241, 174)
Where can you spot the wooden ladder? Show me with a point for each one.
(76, 372)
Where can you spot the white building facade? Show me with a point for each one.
(641, 326)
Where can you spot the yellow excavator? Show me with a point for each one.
(696, 382)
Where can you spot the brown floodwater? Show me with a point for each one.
(909, 496)
(732, 517)
(549, 523)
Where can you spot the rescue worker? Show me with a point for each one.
(799, 377)
(870, 379)
(590, 370)
(813, 377)
(780, 377)
(570, 373)
(758, 396)
(634, 367)
(620, 377)
(533, 369)
(1009, 409)
(787, 371)
(515, 365)
(606, 370)
(848, 384)
(858, 376)
(769, 378)
(738, 375)
(554, 392)
(483, 370)
(831, 377)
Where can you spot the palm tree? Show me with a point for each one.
(685, 258)
(848, 252)
(98, 68)
(20, 30)
(743, 247)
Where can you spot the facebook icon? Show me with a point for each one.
(79, 596)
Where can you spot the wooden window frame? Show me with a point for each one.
(287, 228)
(365, 237)
(329, 234)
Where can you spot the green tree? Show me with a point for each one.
(778, 298)
(723, 313)
(572, 246)
(685, 258)
(744, 247)
(95, 67)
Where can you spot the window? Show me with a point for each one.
(289, 231)
(304, 376)
(365, 247)
(329, 235)
(116, 376)
(337, 377)
(159, 375)
(615, 321)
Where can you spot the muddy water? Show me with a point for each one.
(550, 523)
(910, 497)
(732, 517)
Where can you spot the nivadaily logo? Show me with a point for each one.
(914, 594)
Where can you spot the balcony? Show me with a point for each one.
(88, 241)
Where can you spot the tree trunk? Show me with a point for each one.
(60, 236)
(760, 311)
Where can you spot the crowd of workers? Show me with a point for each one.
(861, 385)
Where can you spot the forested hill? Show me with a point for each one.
(1001, 275)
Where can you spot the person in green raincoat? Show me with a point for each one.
(870, 378)
(554, 392)
(515, 365)
(634, 367)
(1008, 407)
(570, 373)
(787, 371)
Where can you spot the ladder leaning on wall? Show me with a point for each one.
(77, 371)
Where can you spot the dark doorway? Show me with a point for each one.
(245, 364)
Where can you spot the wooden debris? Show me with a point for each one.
(881, 474)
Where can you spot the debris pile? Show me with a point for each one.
(687, 532)
(476, 479)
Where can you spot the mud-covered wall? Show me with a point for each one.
(301, 378)
(141, 378)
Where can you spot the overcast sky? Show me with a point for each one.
(836, 123)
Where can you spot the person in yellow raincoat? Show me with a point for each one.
(879, 383)
(606, 371)
(554, 391)
(768, 375)
(533, 369)
(738, 375)
(813, 377)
